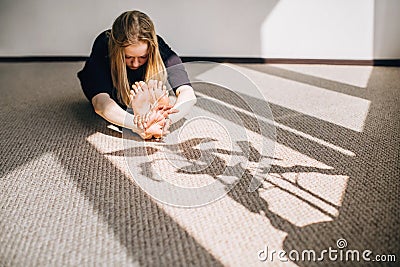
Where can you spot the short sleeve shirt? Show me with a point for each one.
(95, 77)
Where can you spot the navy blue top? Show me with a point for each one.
(95, 77)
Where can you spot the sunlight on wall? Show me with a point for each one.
(327, 29)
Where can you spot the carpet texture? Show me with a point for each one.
(69, 195)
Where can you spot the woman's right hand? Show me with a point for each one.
(156, 122)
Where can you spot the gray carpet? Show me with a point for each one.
(68, 197)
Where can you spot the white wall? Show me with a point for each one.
(328, 29)
(387, 29)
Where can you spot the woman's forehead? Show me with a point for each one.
(136, 50)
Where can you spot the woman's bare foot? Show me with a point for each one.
(161, 94)
(140, 98)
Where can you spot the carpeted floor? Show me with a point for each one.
(68, 195)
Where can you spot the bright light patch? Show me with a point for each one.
(46, 208)
(334, 107)
(351, 75)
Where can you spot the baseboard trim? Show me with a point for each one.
(376, 62)
(43, 59)
(242, 60)
(387, 62)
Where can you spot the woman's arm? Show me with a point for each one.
(178, 79)
(108, 109)
(186, 99)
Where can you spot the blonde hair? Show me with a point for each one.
(129, 28)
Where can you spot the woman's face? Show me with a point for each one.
(136, 55)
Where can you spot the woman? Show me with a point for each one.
(122, 72)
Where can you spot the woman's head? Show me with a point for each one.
(133, 43)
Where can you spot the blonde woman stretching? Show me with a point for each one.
(128, 67)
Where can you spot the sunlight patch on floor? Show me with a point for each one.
(301, 189)
(351, 75)
(283, 127)
(43, 188)
(225, 228)
(228, 228)
(331, 106)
